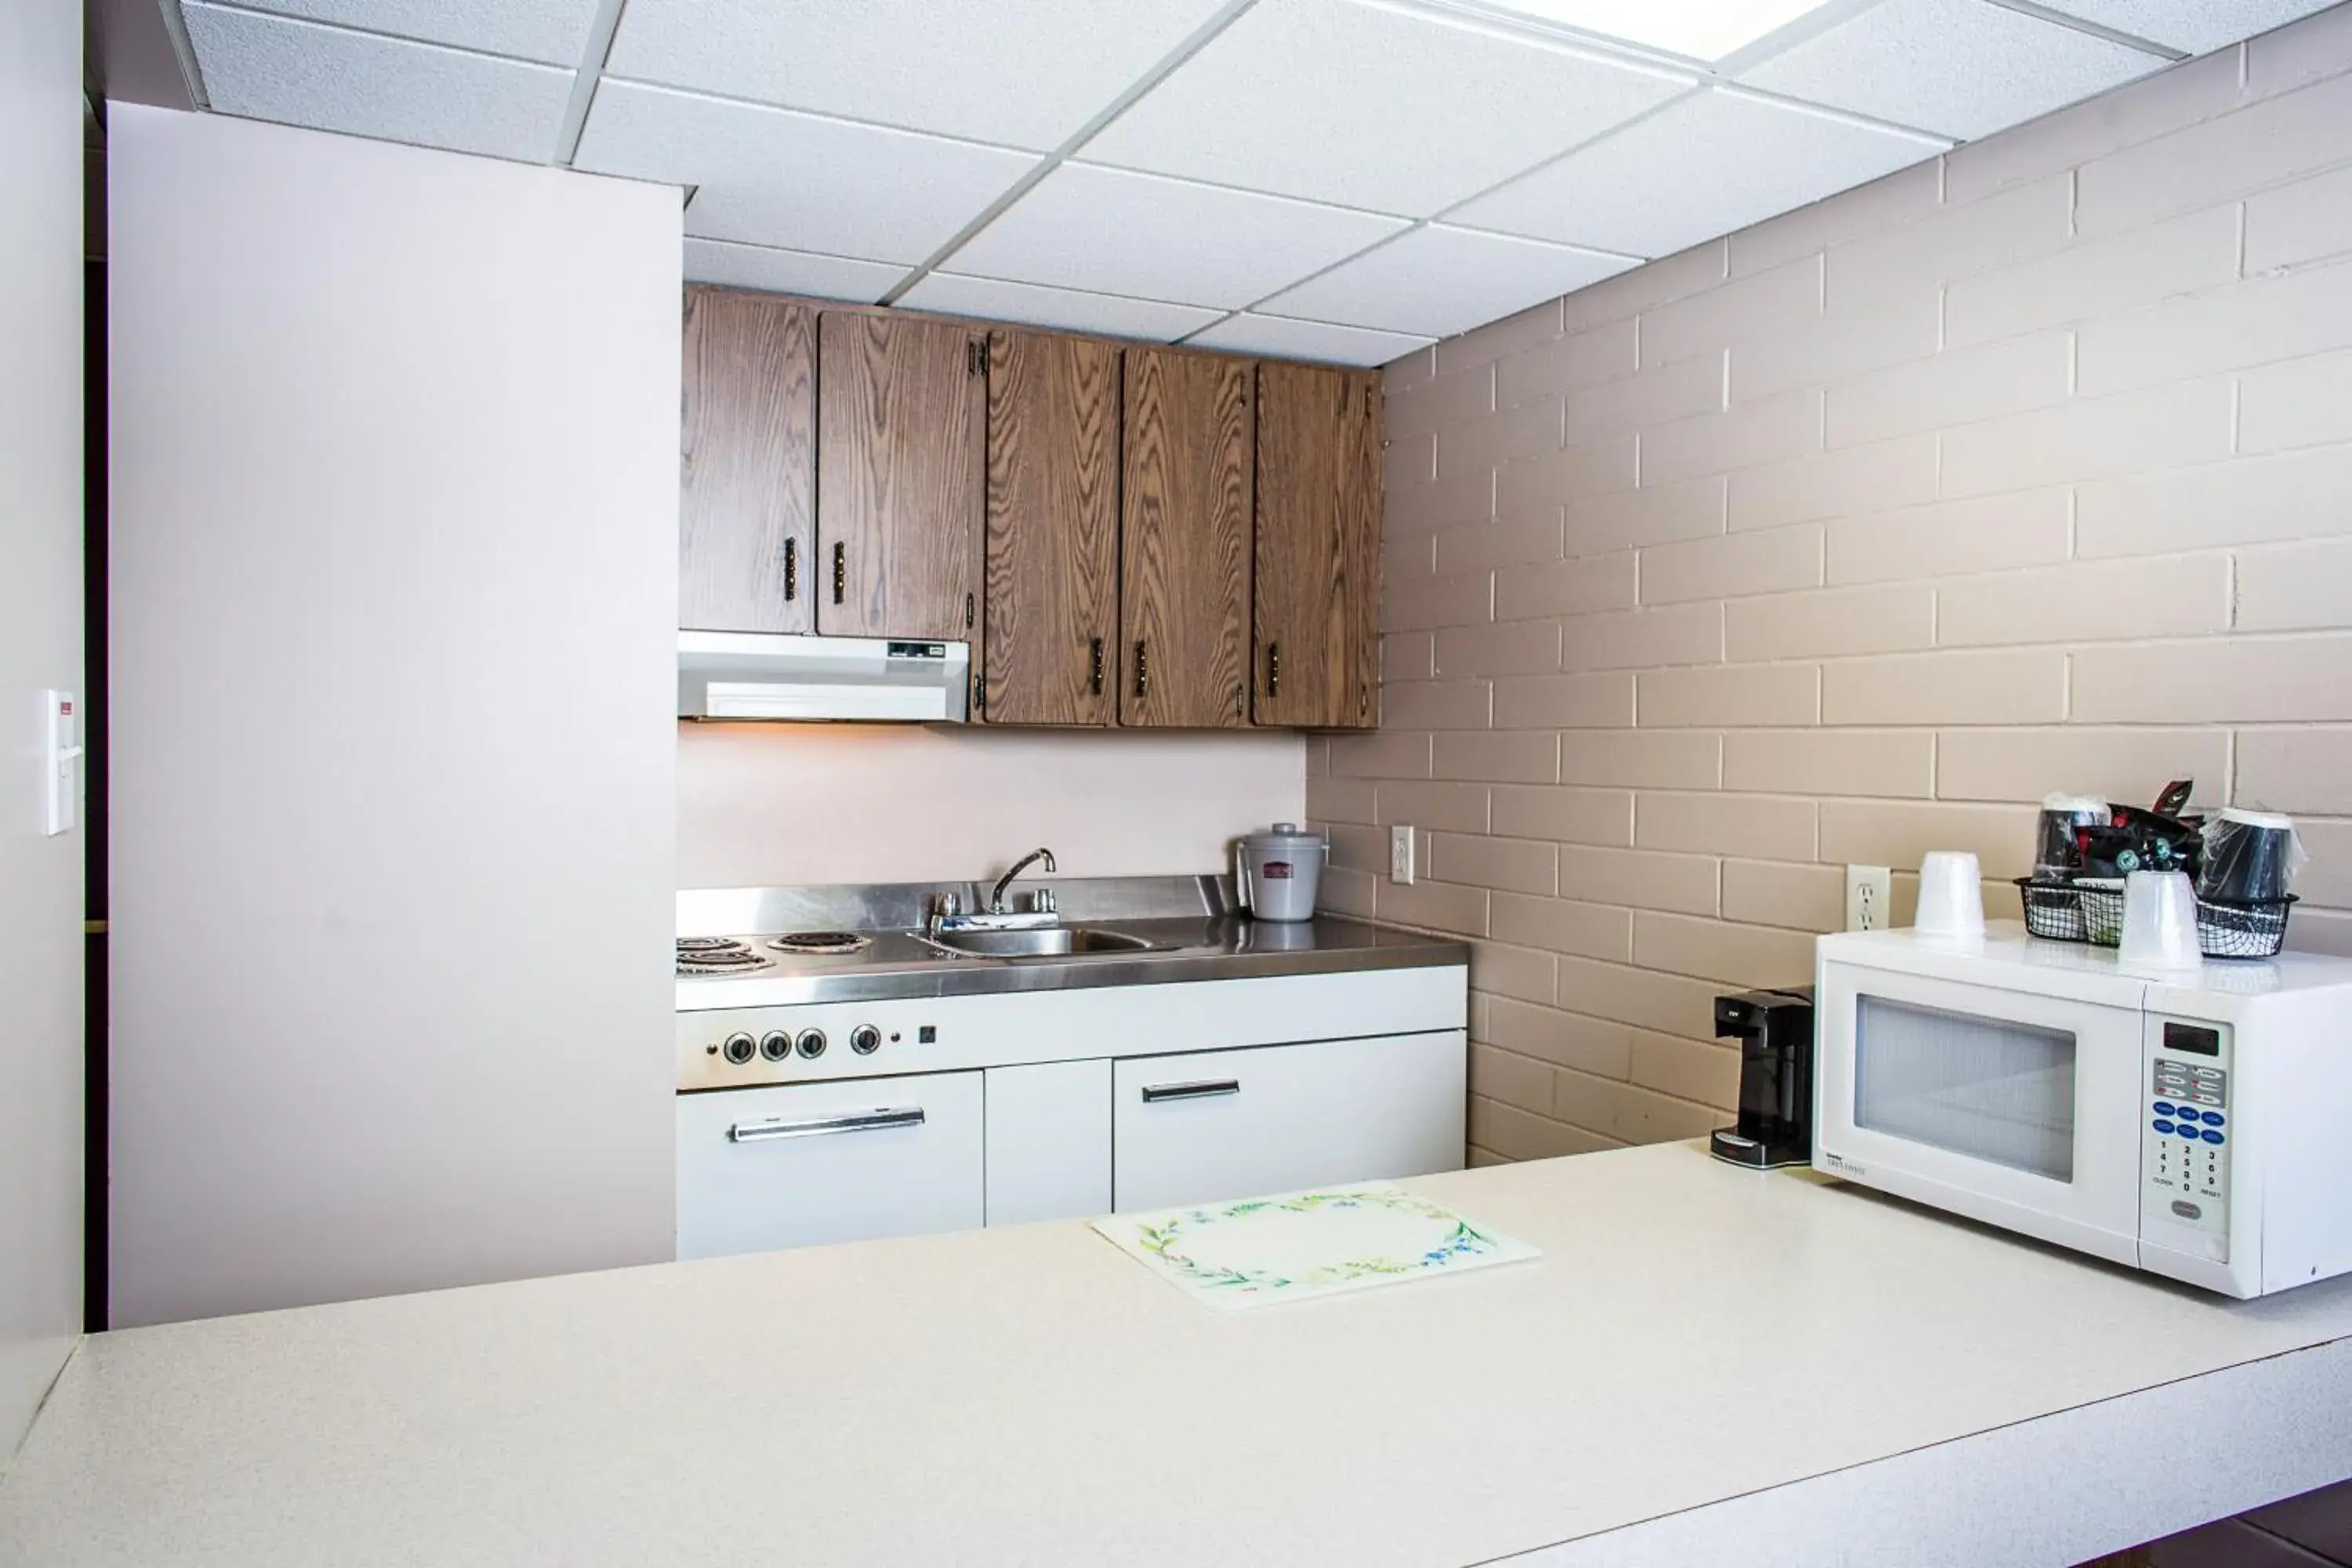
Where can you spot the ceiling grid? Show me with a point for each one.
(1325, 179)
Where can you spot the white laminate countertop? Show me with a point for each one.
(1706, 1365)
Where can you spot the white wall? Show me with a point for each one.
(41, 646)
(771, 805)
(395, 470)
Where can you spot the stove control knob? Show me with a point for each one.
(812, 1042)
(775, 1045)
(865, 1039)
(739, 1049)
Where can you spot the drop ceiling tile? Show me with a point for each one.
(1113, 232)
(553, 31)
(1025, 75)
(801, 182)
(330, 79)
(2193, 25)
(1439, 280)
(1072, 310)
(789, 271)
(1960, 67)
(1712, 163)
(1364, 106)
(1287, 339)
(1701, 30)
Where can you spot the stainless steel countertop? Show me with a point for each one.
(1212, 947)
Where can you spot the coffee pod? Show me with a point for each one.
(2249, 856)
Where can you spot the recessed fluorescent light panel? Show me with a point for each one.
(1701, 30)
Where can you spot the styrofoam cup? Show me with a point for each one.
(1951, 894)
(2160, 920)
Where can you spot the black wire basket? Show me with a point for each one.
(2093, 912)
(2052, 910)
(2242, 928)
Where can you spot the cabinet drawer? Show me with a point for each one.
(765, 1168)
(1226, 1125)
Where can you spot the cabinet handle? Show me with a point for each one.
(1208, 1088)
(1142, 669)
(840, 572)
(791, 570)
(819, 1127)
(967, 612)
(1095, 666)
(1273, 670)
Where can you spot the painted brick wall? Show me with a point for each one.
(1846, 538)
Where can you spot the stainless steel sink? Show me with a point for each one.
(1042, 942)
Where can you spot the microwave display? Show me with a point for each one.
(1990, 1089)
(2193, 1039)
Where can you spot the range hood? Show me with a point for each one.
(748, 675)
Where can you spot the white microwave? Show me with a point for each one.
(2196, 1123)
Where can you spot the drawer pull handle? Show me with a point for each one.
(1207, 1088)
(818, 1127)
(792, 569)
(840, 572)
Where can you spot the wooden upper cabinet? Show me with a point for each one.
(1184, 573)
(900, 421)
(748, 464)
(1319, 533)
(1049, 609)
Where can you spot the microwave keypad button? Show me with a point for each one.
(2210, 1117)
(2161, 1109)
(2161, 1126)
(2186, 1209)
(2210, 1136)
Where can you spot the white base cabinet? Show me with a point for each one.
(1228, 1124)
(1063, 1105)
(1048, 1141)
(767, 1168)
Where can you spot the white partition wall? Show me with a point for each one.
(40, 650)
(395, 488)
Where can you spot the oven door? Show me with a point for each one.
(2017, 1108)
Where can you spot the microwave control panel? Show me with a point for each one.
(2185, 1133)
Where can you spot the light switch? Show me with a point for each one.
(62, 766)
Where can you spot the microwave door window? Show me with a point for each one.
(1984, 1088)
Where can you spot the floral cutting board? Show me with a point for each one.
(1252, 1252)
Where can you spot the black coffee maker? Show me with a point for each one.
(1775, 1031)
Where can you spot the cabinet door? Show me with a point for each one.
(760, 1169)
(1184, 567)
(1051, 602)
(900, 421)
(1319, 546)
(748, 464)
(1048, 1141)
(1272, 1118)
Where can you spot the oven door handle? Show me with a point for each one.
(823, 1126)
(1154, 1093)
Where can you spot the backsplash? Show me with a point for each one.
(787, 804)
(1848, 537)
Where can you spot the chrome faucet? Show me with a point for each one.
(1045, 897)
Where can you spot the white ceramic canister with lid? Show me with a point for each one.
(1278, 871)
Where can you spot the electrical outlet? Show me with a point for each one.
(1401, 856)
(1869, 897)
